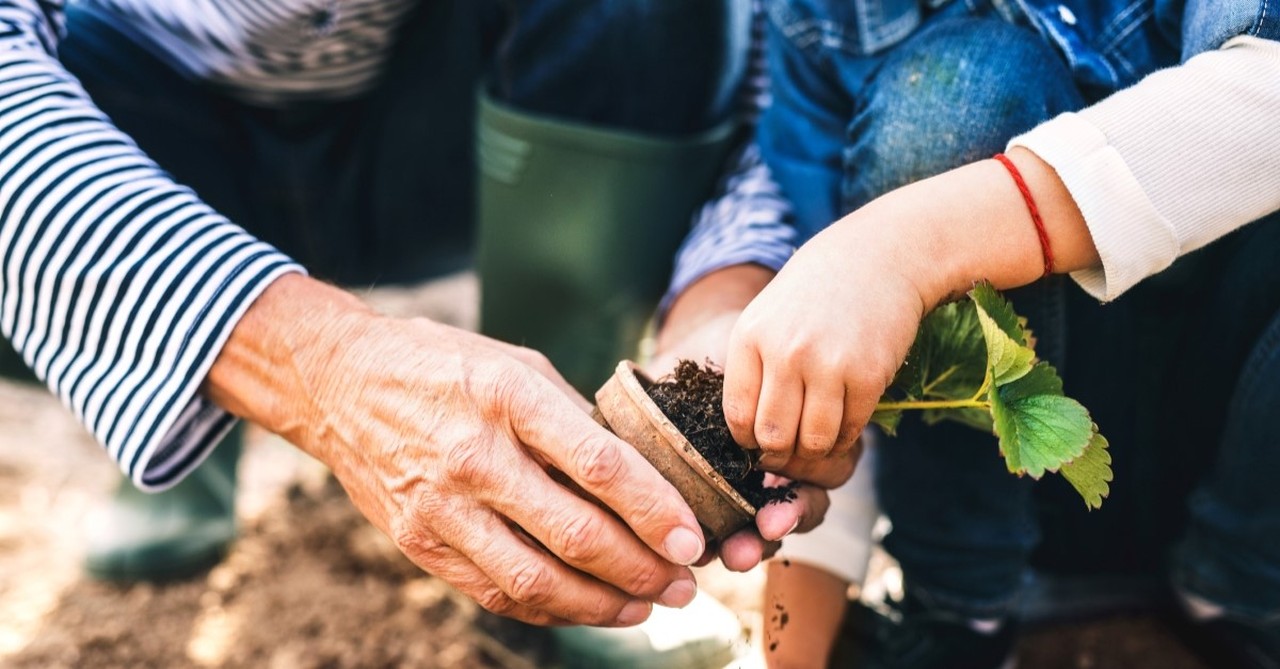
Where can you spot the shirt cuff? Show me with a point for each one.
(188, 435)
(1133, 239)
(746, 221)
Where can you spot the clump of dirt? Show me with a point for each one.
(692, 397)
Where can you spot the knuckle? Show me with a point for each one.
(850, 433)
(598, 462)
(409, 539)
(495, 601)
(737, 413)
(506, 387)
(772, 439)
(649, 511)
(814, 445)
(533, 358)
(797, 350)
(647, 580)
(469, 463)
(746, 329)
(578, 540)
(531, 584)
(418, 546)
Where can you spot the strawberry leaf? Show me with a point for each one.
(1039, 429)
(979, 419)
(1090, 474)
(948, 358)
(887, 419)
(974, 363)
(1008, 356)
(989, 300)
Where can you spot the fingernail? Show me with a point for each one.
(778, 536)
(683, 546)
(771, 461)
(679, 594)
(634, 612)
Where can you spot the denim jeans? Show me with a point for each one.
(1177, 372)
(380, 189)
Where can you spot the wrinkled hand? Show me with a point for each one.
(813, 353)
(445, 439)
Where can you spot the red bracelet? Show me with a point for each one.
(1031, 207)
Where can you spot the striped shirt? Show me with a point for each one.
(119, 286)
(747, 219)
(267, 51)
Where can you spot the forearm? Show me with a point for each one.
(265, 372)
(724, 291)
(1153, 186)
(121, 284)
(969, 224)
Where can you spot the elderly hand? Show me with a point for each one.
(448, 443)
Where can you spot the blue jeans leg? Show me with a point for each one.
(954, 93)
(1231, 552)
(652, 66)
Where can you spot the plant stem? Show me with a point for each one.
(933, 404)
(986, 384)
(941, 377)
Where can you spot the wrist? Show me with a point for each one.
(969, 224)
(269, 369)
(724, 291)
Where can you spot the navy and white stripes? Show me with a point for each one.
(267, 51)
(117, 285)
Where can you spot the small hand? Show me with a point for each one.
(812, 354)
(703, 336)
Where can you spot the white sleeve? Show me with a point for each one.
(1172, 163)
(842, 544)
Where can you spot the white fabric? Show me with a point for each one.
(842, 544)
(1172, 163)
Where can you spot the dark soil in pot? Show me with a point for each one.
(692, 398)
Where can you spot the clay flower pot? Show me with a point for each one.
(623, 406)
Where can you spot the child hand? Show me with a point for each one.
(811, 355)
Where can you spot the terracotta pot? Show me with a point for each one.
(623, 406)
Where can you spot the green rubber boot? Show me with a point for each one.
(577, 230)
(170, 535)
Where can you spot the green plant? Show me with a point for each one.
(974, 362)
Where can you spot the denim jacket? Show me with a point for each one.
(1109, 44)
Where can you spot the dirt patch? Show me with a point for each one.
(311, 585)
(692, 397)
